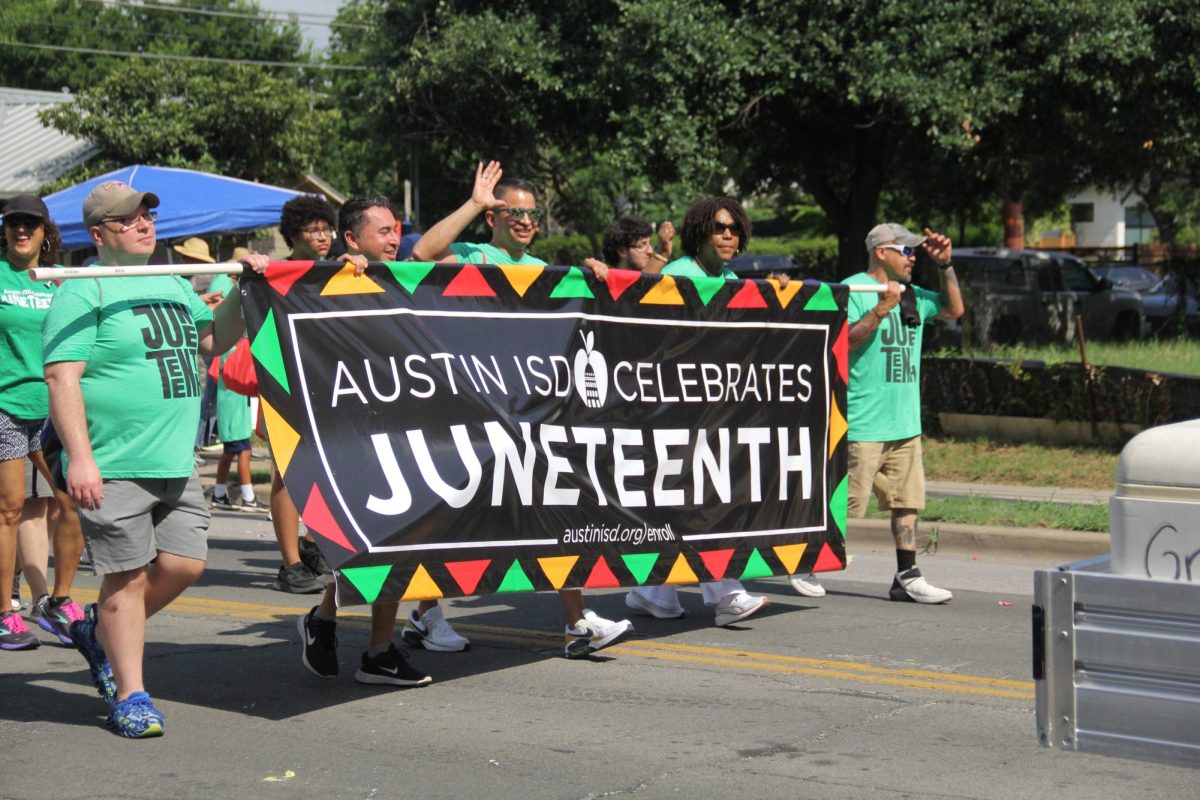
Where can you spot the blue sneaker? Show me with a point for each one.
(135, 717)
(83, 635)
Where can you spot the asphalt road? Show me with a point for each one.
(851, 696)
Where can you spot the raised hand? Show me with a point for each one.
(937, 245)
(486, 178)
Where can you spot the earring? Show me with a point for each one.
(45, 246)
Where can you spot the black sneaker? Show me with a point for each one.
(223, 502)
(390, 667)
(312, 557)
(318, 643)
(297, 579)
(253, 506)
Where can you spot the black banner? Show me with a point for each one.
(458, 430)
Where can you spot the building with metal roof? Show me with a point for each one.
(31, 154)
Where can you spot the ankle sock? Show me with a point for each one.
(247, 493)
(376, 650)
(219, 490)
(905, 560)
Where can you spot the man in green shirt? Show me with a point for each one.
(120, 365)
(510, 207)
(884, 393)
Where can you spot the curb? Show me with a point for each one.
(1066, 546)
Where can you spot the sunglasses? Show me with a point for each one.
(719, 228)
(901, 249)
(534, 214)
(130, 221)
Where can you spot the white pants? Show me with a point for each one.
(711, 591)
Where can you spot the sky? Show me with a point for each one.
(316, 33)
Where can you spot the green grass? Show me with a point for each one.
(985, 461)
(1181, 355)
(1010, 514)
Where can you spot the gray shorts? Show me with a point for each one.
(19, 437)
(140, 518)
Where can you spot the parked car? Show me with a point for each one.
(759, 265)
(1035, 295)
(1160, 296)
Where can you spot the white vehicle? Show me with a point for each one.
(1116, 639)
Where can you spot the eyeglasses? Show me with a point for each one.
(130, 221)
(534, 214)
(22, 221)
(719, 228)
(901, 249)
(316, 233)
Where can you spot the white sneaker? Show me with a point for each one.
(432, 631)
(739, 605)
(593, 633)
(639, 603)
(807, 585)
(911, 586)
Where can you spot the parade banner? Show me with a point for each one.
(460, 430)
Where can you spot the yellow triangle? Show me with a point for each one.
(283, 437)
(663, 293)
(421, 587)
(790, 555)
(786, 293)
(344, 282)
(837, 425)
(681, 572)
(521, 277)
(557, 568)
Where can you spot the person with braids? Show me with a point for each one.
(715, 230)
(30, 239)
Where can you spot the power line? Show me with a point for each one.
(170, 57)
(331, 19)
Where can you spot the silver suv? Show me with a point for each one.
(1034, 295)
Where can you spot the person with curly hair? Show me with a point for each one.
(29, 238)
(627, 245)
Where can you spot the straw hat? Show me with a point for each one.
(239, 253)
(196, 248)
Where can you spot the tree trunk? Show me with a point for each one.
(1013, 213)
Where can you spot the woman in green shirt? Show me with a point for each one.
(29, 239)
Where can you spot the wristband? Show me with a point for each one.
(875, 313)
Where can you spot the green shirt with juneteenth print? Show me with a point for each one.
(141, 387)
(884, 396)
(689, 267)
(484, 253)
(23, 307)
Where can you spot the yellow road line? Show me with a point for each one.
(654, 649)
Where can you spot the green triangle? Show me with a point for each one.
(410, 274)
(640, 564)
(368, 580)
(515, 580)
(822, 299)
(573, 284)
(708, 286)
(756, 566)
(837, 504)
(267, 351)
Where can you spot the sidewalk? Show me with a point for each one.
(1064, 546)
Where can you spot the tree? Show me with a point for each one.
(236, 120)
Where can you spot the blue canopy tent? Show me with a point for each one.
(193, 203)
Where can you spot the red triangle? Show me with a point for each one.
(469, 282)
(621, 279)
(748, 297)
(318, 518)
(717, 561)
(467, 573)
(826, 560)
(841, 353)
(282, 274)
(602, 577)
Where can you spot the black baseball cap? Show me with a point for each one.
(27, 204)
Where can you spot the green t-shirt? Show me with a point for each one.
(222, 284)
(689, 267)
(140, 386)
(233, 412)
(484, 253)
(884, 395)
(23, 306)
